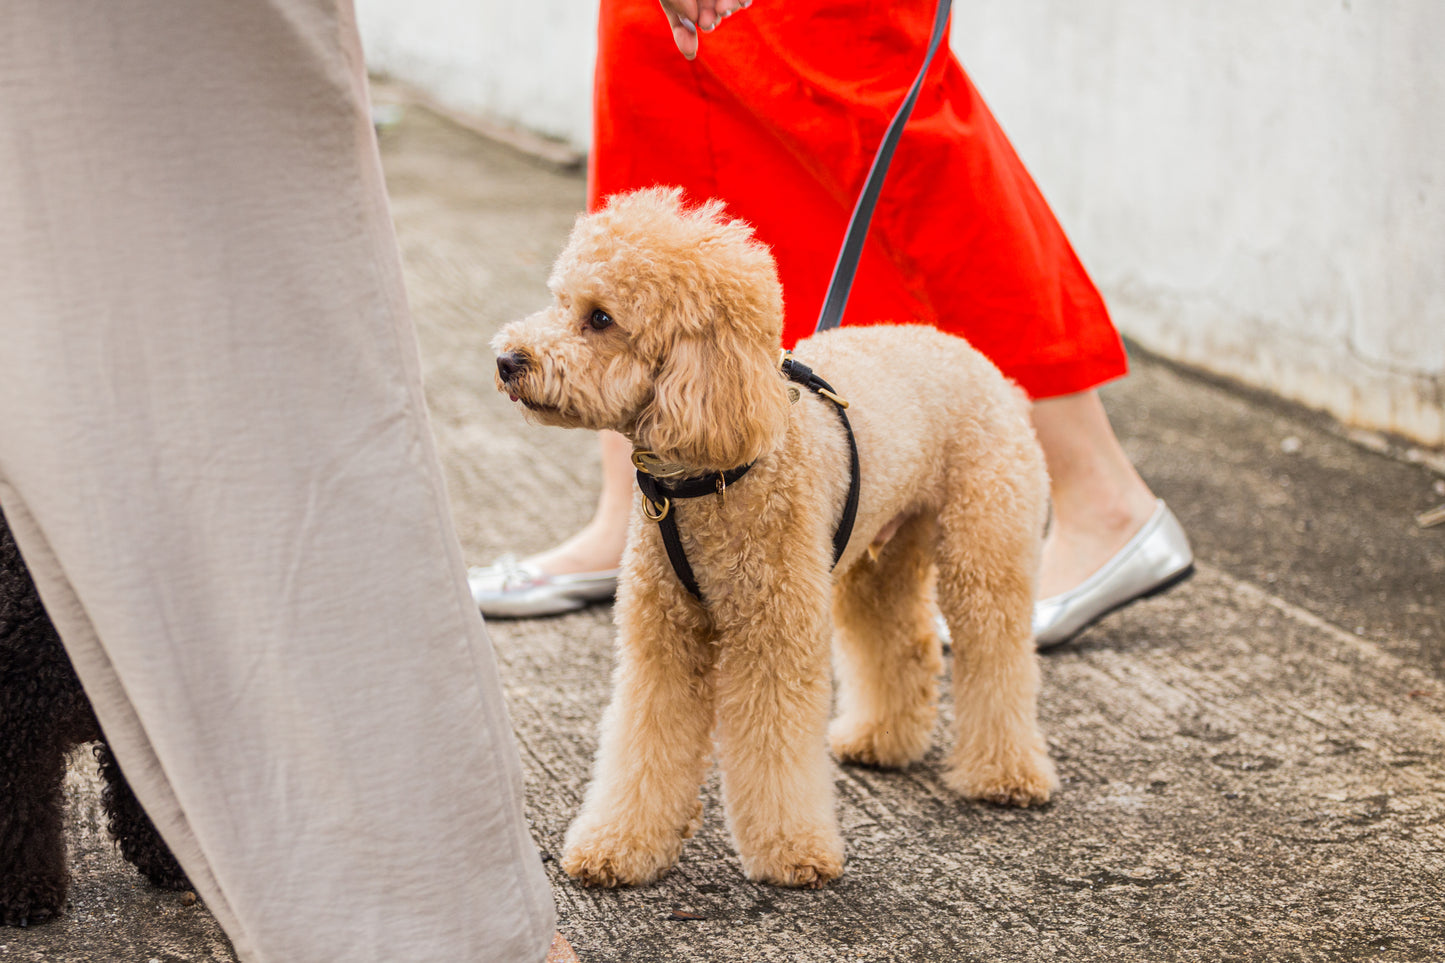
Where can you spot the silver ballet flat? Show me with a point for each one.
(1156, 558)
(511, 589)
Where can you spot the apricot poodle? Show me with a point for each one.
(665, 326)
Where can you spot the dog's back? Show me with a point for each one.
(930, 414)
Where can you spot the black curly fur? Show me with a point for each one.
(43, 715)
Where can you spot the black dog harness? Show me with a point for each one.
(660, 489)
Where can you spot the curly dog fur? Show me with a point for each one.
(44, 714)
(665, 326)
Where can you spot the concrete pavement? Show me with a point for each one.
(1253, 764)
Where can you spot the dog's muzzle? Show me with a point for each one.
(511, 365)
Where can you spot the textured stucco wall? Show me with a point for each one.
(1257, 188)
(523, 63)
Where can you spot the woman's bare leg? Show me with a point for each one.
(1099, 500)
(598, 546)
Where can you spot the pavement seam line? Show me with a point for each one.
(1362, 646)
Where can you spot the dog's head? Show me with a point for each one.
(665, 325)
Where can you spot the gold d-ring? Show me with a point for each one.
(661, 512)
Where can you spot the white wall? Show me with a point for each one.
(1258, 188)
(524, 63)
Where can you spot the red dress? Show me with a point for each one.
(779, 116)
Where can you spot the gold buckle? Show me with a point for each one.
(841, 403)
(648, 463)
(661, 513)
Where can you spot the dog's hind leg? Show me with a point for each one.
(139, 842)
(991, 533)
(654, 744)
(888, 652)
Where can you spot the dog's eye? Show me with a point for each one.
(599, 319)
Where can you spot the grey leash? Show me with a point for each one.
(842, 282)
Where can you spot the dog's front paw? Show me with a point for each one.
(25, 902)
(599, 854)
(877, 744)
(1026, 781)
(807, 863)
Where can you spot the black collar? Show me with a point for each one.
(669, 482)
(662, 484)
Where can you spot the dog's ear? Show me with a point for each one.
(719, 401)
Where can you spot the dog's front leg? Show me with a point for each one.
(655, 741)
(774, 693)
(40, 699)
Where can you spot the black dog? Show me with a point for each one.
(43, 715)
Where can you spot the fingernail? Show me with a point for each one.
(691, 27)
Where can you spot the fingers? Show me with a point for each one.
(683, 16)
(710, 13)
(684, 34)
(687, 17)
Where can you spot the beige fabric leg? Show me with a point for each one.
(215, 455)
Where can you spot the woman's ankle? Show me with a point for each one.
(1080, 541)
(596, 548)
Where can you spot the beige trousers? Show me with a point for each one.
(216, 459)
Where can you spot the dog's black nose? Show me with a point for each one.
(510, 365)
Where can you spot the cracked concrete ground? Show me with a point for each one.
(1253, 764)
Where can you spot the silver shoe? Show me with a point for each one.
(511, 589)
(1156, 558)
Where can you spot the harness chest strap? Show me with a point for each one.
(660, 491)
(658, 494)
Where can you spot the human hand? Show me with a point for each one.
(687, 17)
